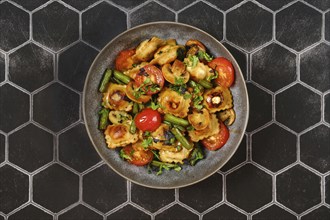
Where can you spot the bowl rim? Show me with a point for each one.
(85, 121)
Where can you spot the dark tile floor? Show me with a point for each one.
(49, 169)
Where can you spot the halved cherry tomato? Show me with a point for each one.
(138, 156)
(124, 60)
(225, 69)
(218, 140)
(148, 120)
(151, 79)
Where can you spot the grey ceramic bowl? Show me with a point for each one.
(92, 99)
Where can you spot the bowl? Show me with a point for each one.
(92, 98)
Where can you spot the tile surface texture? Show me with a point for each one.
(49, 168)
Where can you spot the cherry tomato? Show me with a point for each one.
(151, 79)
(218, 140)
(225, 70)
(124, 60)
(138, 156)
(148, 120)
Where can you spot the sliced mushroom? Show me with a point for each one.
(119, 117)
(194, 47)
(199, 119)
(228, 116)
(176, 74)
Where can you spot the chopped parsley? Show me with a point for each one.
(194, 61)
(147, 142)
(202, 55)
(197, 102)
(123, 155)
(179, 80)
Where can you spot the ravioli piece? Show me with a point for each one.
(166, 54)
(199, 119)
(118, 135)
(146, 49)
(161, 139)
(115, 98)
(173, 103)
(197, 69)
(211, 129)
(135, 70)
(218, 99)
(174, 157)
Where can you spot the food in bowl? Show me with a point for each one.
(163, 103)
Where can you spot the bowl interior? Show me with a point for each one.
(92, 99)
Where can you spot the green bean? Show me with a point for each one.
(181, 128)
(132, 128)
(135, 108)
(176, 120)
(105, 80)
(104, 115)
(206, 84)
(121, 76)
(179, 136)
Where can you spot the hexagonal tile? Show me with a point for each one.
(252, 32)
(127, 213)
(129, 3)
(282, 63)
(323, 5)
(31, 4)
(274, 5)
(80, 5)
(315, 148)
(226, 212)
(240, 57)
(246, 184)
(176, 212)
(30, 212)
(177, 5)
(159, 199)
(298, 189)
(304, 29)
(201, 196)
(31, 62)
(104, 189)
(280, 144)
(16, 23)
(225, 5)
(2, 148)
(61, 105)
(298, 107)
(260, 107)
(327, 189)
(327, 108)
(327, 26)
(318, 214)
(80, 212)
(2, 67)
(155, 13)
(314, 67)
(64, 185)
(82, 148)
(55, 26)
(14, 188)
(239, 156)
(103, 17)
(202, 12)
(272, 211)
(15, 113)
(35, 143)
(74, 64)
